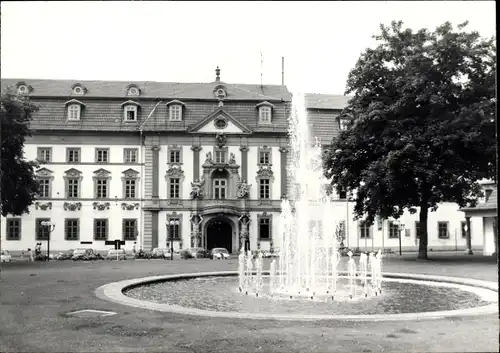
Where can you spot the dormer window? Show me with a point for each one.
(78, 90)
(265, 115)
(130, 111)
(74, 110)
(22, 89)
(265, 112)
(133, 91)
(220, 92)
(175, 110)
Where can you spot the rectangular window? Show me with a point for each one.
(443, 230)
(74, 112)
(175, 156)
(393, 230)
(265, 115)
(264, 228)
(102, 155)
(130, 189)
(417, 229)
(73, 186)
(101, 188)
(100, 229)
(344, 123)
(73, 155)
(175, 112)
(264, 185)
(43, 188)
(364, 230)
(130, 113)
(44, 154)
(13, 228)
(220, 189)
(130, 155)
(41, 232)
(342, 194)
(220, 156)
(264, 158)
(174, 225)
(175, 187)
(129, 229)
(462, 229)
(71, 229)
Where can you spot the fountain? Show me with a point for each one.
(309, 257)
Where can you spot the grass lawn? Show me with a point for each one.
(34, 298)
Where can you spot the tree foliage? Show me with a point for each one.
(18, 183)
(423, 123)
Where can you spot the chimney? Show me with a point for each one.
(217, 74)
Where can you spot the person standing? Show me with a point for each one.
(30, 253)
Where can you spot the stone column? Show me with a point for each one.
(196, 232)
(244, 163)
(196, 161)
(283, 152)
(155, 171)
(154, 229)
(244, 222)
(468, 237)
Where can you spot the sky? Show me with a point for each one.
(185, 41)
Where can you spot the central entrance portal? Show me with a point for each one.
(219, 234)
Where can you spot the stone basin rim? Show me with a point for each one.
(114, 292)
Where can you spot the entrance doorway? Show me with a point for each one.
(220, 234)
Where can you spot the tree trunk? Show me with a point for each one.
(422, 246)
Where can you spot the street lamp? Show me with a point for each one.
(172, 223)
(401, 227)
(50, 227)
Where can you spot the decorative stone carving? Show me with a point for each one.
(283, 149)
(196, 148)
(101, 173)
(43, 206)
(130, 174)
(232, 159)
(73, 173)
(242, 189)
(130, 206)
(175, 172)
(101, 206)
(72, 206)
(44, 172)
(221, 139)
(197, 189)
(244, 148)
(266, 173)
(245, 221)
(208, 159)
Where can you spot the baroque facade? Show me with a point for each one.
(187, 164)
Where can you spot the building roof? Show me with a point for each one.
(326, 101)
(151, 89)
(491, 204)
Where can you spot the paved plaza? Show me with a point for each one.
(35, 298)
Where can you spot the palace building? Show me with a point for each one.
(188, 164)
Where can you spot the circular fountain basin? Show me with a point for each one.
(216, 294)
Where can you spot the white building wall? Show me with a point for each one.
(489, 236)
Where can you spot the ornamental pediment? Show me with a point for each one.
(101, 173)
(72, 173)
(44, 172)
(130, 173)
(220, 121)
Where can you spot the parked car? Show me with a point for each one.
(199, 253)
(114, 254)
(160, 253)
(65, 255)
(219, 254)
(5, 256)
(85, 255)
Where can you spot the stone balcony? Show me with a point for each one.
(213, 205)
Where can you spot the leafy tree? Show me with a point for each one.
(18, 183)
(422, 127)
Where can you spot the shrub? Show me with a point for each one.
(185, 254)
